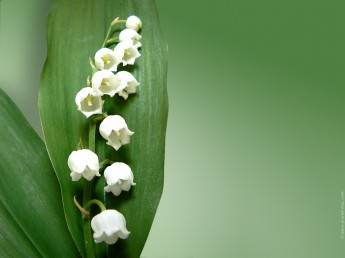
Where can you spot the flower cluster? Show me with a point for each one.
(107, 79)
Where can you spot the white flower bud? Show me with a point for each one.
(109, 226)
(89, 102)
(130, 35)
(127, 51)
(128, 83)
(106, 59)
(119, 177)
(105, 82)
(134, 23)
(83, 163)
(114, 129)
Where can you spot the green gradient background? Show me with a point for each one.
(255, 141)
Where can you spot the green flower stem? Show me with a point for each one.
(97, 202)
(99, 117)
(112, 41)
(123, 21)
(90, 249)
(92, 64)
(80, 144)
(117, 21)
(108, 35)
(110, 28)
(105, 163)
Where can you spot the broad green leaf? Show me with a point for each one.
(32, 222)
(75, 31)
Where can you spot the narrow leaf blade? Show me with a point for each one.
(13, 240)
(30, 196)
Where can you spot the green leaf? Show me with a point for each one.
(75, 31)
(32, 222)
(13, 240)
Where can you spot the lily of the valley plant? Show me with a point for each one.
(107, 79)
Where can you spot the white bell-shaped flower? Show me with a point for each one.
(89, 102)
(106, 59)
(119, 177)
(127, 51)
(128, 82)
(114, 129)
(105, 82)
(109, 226)
(83, 163)
(130, 35)
(134, 23)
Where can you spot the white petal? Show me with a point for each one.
(123, 94)
(110, 176)
(76, 162)
(114, 130)
(125, 135)
(115, 189)
(105, 82)
(89, 174)
(105, 58)
(111, 123)
(130, 53)
(131, 35)
(126, 185)
(82, 94)
(114, 140)
(133, 22)
(116, 171)
(108, 226)
(91, 158)
(132, 87)
(118, 176)
(75, 176)
(89, 102)
(112, 239)
(119, 51)
(94, 167)
(125, 76)
(129, 83)
(83, 163)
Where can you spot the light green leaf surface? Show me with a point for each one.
(32, 223)
(75, 31)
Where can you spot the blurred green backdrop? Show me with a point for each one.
(255, 141)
